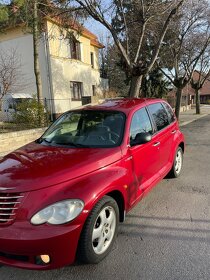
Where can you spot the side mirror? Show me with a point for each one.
(141, 138)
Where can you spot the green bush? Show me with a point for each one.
(31, 113)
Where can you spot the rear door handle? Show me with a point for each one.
(173, 131)
(156, 144)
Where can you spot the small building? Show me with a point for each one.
(69, 63)
(188, 93)
(9, 104)
(204, 91)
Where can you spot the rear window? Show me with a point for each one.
(159, 115)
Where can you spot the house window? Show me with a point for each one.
(94, 90)
(75, 50)
(76, 91)
(92, 59)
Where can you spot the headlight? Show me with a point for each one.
(59, 213)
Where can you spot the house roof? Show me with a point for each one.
(205, 90)
(73, 24)
(17, 95)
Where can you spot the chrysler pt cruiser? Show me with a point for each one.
(62, 196)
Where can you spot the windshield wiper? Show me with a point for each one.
(77, 145)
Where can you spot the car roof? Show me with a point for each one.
(125, 105)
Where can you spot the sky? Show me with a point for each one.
(91, 24)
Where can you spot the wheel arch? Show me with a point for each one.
(118, 197)
(182, 146)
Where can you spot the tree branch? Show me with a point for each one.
(165, 27)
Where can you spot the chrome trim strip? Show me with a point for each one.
(15, 208)
(6, 203)
(6, 214)
(6, 189)
(10, 197)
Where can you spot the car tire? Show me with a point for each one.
(99, 232)
(177, 164)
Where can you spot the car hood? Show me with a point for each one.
(36, 166)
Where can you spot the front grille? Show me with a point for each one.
(9, 204)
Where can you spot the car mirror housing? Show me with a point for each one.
(141, 138)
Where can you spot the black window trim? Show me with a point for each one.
(81, 88)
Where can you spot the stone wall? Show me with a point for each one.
(13, 140)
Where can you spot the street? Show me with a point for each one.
(166, 236)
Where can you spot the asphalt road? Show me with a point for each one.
(167, 236)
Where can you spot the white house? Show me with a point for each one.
(69, 66)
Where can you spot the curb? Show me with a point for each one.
(185, 123)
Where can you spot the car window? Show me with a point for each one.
(170, 113)
(140, 123)
(86, 128)
(159, 114)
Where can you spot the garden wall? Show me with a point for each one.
(13, 140)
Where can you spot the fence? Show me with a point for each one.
(172, 101)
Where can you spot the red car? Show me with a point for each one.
(63, 196)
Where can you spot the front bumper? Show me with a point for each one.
(21, 243)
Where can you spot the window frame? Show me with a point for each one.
(72, 89)
(92, 58)
(74, 48)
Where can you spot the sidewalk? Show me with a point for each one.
(190, 116)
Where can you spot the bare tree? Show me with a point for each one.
(200, 76)
(188, 40)
(36, 34)
(11, 75)
(150, 19)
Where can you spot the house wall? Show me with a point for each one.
(20, 41)
(64, 69)
(59, 46)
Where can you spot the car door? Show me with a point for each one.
(145, 157)
(163, 135)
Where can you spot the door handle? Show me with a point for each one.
(173, 131)
(156, 144)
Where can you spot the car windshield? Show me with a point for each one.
(86, 128)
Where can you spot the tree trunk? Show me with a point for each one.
(178, 102)
(197, 101)
(135, 86)
(36, 51)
